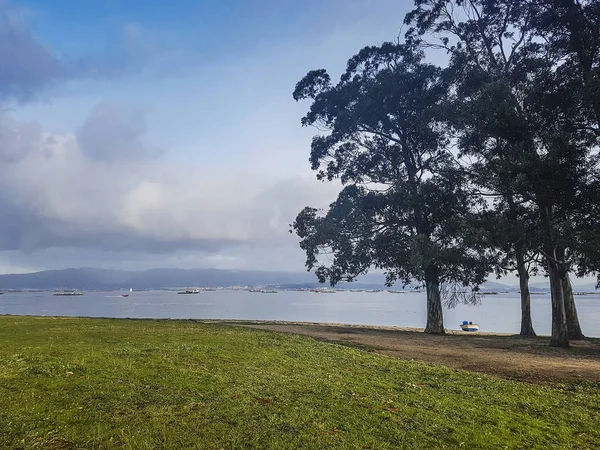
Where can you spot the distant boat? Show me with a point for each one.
(68, 293)
(124, 295)
(1, 293)
(190, 291)
(469, 326)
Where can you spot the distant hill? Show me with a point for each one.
(89, 278)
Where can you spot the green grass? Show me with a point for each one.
(141, 384)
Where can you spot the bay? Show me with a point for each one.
(497, 313)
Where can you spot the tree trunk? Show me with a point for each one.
(526, 323)
(560, 337)
(573, 327)
(435, 315)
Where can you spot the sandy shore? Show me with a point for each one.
(503, 355)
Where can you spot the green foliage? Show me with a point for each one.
(404, 205)
(141, 384)
(525, 86)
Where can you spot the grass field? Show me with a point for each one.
(141, 384)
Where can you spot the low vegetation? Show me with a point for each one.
(110, 383)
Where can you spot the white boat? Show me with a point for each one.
(469, 326)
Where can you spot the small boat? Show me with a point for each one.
(190, 291)
(469, 326)
(124, 295)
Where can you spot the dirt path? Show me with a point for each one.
(512, 357)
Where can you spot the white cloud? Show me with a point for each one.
(114, 133)
(69, 198)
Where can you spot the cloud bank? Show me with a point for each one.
(103, 188)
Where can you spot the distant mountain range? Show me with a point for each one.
(92, 279)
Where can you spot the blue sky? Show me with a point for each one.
(199, 69)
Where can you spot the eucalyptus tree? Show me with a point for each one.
(571, 29)
(521, 130)
(405, 206)
(511, 237)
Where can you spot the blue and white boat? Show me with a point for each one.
(469, 326)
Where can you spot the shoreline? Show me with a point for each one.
(283, 322)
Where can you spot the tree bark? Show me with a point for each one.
(573, 327)
(560, 335)
(526, 323)
(435, 315)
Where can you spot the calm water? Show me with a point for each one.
(500, 313)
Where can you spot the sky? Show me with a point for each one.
(136, 134)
